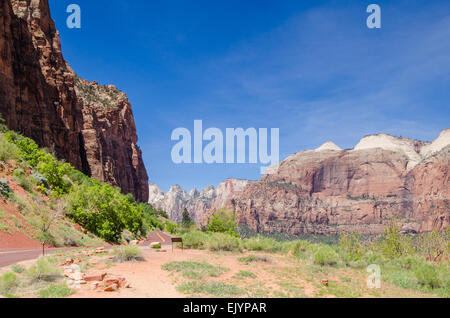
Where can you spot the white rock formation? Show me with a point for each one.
(328, 146)
(197, 203)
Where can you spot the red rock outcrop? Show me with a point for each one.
(38, 98)
(329, 191)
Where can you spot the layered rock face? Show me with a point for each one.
(199, 204)
(95, 131)
(329, 190)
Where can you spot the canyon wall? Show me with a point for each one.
(42, 98)
(330, 190)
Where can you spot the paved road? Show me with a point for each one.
(11, 256)
(14, 255)
(157, 236)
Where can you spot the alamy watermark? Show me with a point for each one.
(74, 19)
(237, 141)
(374, 19)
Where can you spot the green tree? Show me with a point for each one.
(223, 221)
(186, 219)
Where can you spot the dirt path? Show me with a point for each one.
(147, 279)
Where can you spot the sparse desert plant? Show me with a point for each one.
(255, 258)
(427, 275)
(195, 270)
(8, 282)
(351, 247)
(242, 274)
(43, 270)
(265, 244)
(434, 245)
(325, 255)
(128, 253)
(18, 269)
(394, 243)
(300, 247)
(223, 242)
(195, 240)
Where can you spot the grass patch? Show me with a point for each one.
(217, 289)
(244, 274)
(255, 258)
(128, 253)
(56, 291)
(195, 270)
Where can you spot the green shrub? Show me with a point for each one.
(28, 149)
(351, 247)
(8, 151)
(18, 269)
(300, 247)
(56, 291)
(195, 270)
(128, 253)
(43, 270)
(223, 221)
(172, 227)
(395, 244)
(434, 245)
(427, 275)
(262, 244)
(195, 240)
(223, 242)
(5, 189)
(325, 255)
(104, 211)
(8, 282)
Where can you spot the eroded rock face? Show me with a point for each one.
(199, 204)
(38, 98)
(331, 190)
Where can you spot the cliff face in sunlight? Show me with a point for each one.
(41, 97)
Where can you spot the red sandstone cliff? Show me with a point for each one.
(39, 98)
(331, 190)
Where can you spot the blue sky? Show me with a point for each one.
(310, 68)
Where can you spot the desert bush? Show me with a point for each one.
(223, 221)
(394, 244)
(300, 247)
(8, 151)
(427, 275)
(262, 244)
(172, 227)
(434, 245)
(196, 240)
(255, 259)
(43, 270)
(8, 282)
(5, 189)
(351, 247)
(18, 269)
(128, 253)
(223, 242)
(325, 255)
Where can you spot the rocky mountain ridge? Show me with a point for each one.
(330, 190)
